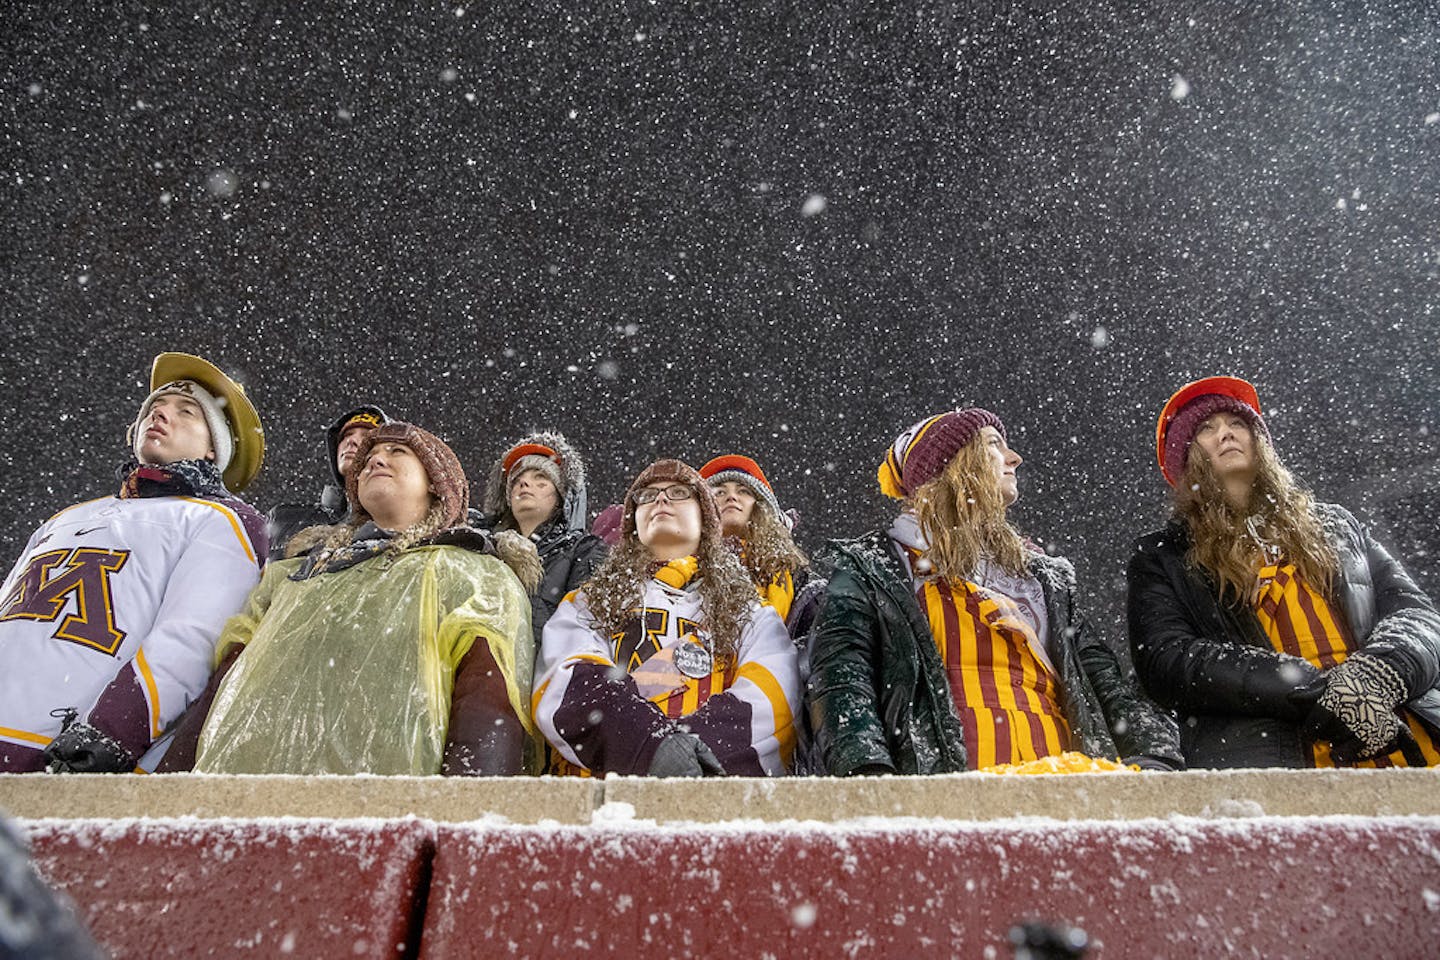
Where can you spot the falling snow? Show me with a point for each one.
(672, 230)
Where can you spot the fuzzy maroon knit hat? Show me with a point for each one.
(1191, 406)
(441, 465)
(673, 471)
(922, 451)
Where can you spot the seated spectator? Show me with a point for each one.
(665, 663)
(109, 620)
(342, 439)
(1277, 629)
(949, 643)
(537, 489)
(759, 532)
(398, 644)
(752, 520)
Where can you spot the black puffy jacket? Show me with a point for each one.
(879, 697)
(569, 557)
(1212, 664)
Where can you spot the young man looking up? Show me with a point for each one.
(109, 619)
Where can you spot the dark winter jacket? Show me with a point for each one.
(1212, 663)
(568, 551)
(569, 556)
(287, 519)
(36, 923)
(879, 697)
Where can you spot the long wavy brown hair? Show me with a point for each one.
(767, 551)
(962, 515)
(617, 589)
(1231, 544)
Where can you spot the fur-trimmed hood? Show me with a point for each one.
(515, 551)
(574, 503)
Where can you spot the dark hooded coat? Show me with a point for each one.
(287, 519)
(568, 552)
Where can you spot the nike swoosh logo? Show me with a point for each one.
(81, 533)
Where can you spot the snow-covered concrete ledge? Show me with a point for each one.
(972, 797)
(1081, 796)
(441, 799)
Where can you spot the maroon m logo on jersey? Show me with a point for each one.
(49, 582)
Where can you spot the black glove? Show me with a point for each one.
(684, 755)
(1355, 709)
(1146, 762)
(80, 748)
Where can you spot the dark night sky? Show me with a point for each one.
(687, 229)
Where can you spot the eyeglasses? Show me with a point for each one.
(679, 491)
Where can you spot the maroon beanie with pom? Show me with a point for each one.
(922, 451)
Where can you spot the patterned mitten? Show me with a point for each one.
(1356, 713)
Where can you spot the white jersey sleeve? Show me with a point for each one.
(113, 612)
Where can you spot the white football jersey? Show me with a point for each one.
(146, 583)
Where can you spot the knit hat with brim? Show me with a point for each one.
(734, 468)
(1191, 406)
(547, 451)
(672, 471)
(920, 453)
(235, 432)
(533, 457)
(441, 465)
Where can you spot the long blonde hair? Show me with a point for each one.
(768, 551)
(1278, 522)
(962, 515)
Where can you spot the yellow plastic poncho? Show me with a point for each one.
(351, 671)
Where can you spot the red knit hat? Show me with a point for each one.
(922, 451)
(1191, 406)
(734, 468)
(672, 471)
(440, 463)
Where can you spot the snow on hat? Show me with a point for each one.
(547, 451)
(734, 468)
(1191, 406)
(919, 454)
(673, 471)
(235, 432)
(447, 477)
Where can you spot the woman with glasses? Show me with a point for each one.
(665, 663)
